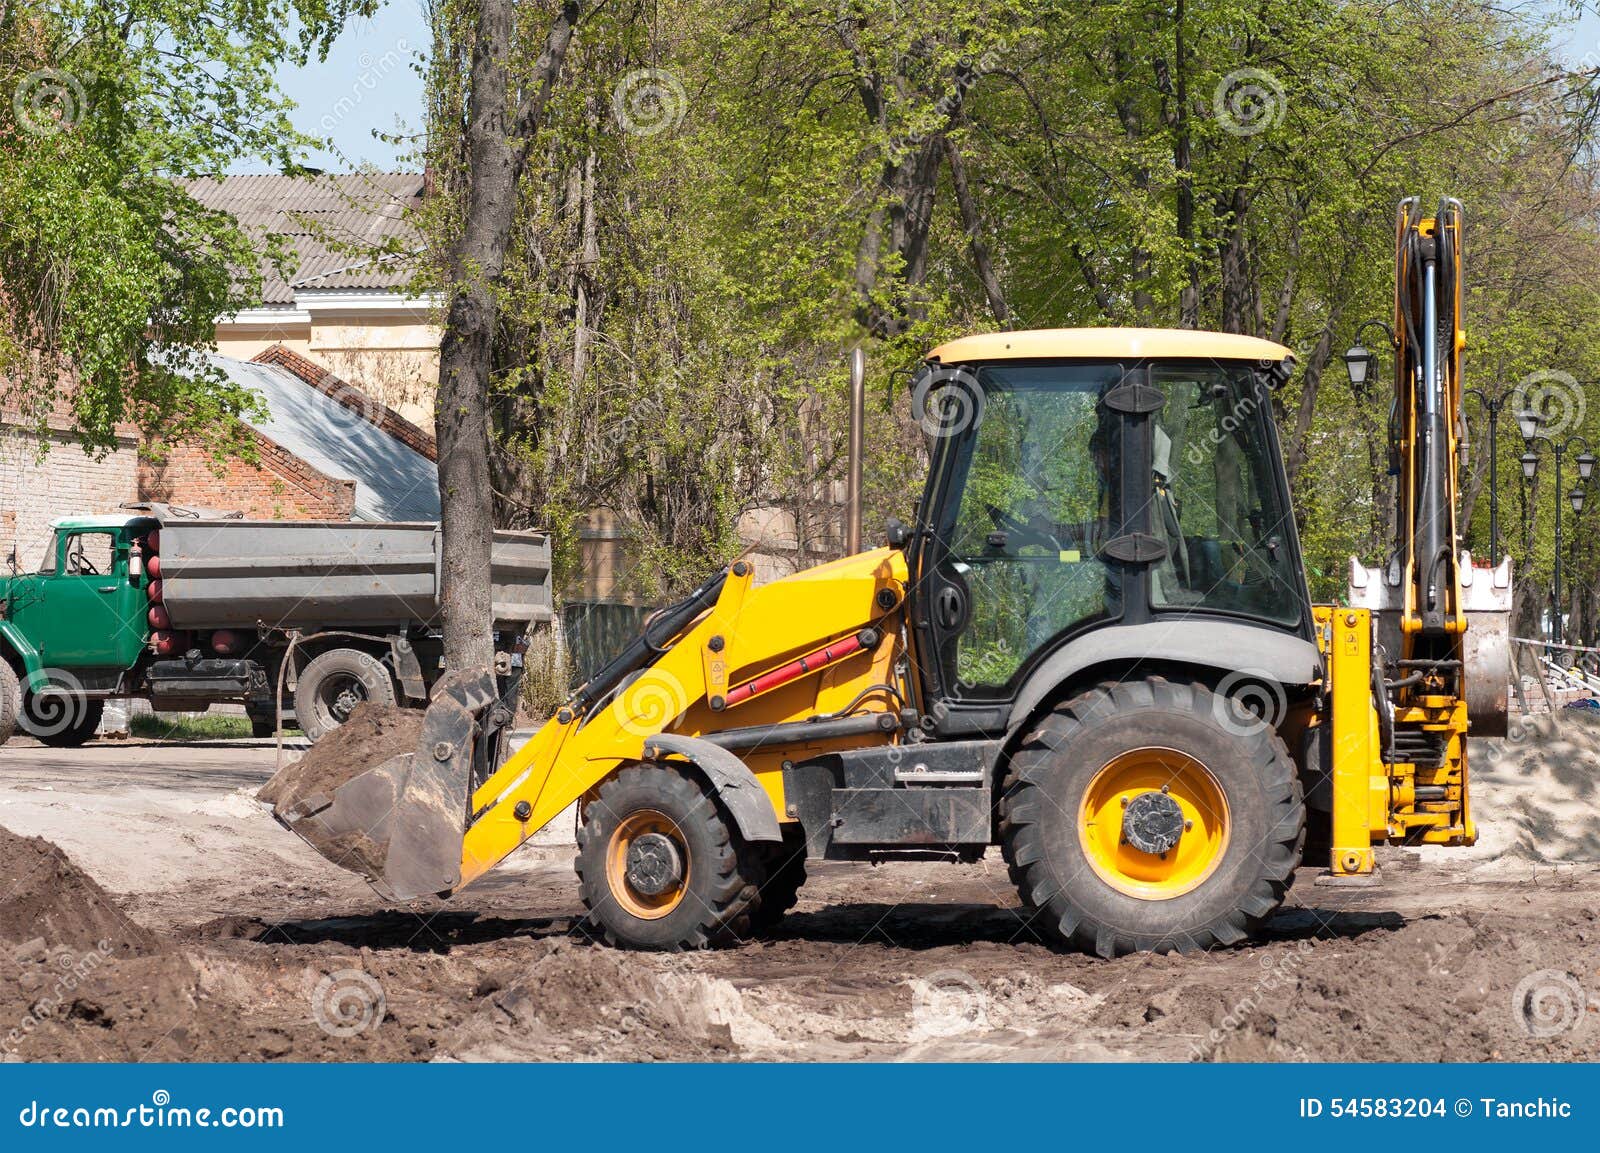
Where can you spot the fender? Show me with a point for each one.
(1241, 651)
(732, 779)
(33, 678)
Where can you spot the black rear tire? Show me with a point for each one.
(1045, 804)
(333, 683)
(720, 872)
(62, 720)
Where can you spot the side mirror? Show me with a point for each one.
(11, 559)
(898, 532)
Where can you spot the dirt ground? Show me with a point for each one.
(168, 918)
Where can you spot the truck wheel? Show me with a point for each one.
(333, 683)
(1148, 816)
(10, 700)
(62, 720)
(660, 866)
(785, 866)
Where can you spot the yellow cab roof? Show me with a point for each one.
(1107, 344)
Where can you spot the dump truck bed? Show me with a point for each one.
(304, 574)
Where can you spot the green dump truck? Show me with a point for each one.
(187, 612)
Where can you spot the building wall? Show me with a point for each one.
(395, 360)
(280, 487)
(65, 481)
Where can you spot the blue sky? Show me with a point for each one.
(370, 81)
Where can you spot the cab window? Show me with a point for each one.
(89, 553)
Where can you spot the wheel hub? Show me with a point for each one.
(1152, 822)
(654, 864)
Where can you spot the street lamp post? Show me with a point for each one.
(1529, 424)
(1492, 405)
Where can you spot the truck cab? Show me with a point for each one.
(74, 629)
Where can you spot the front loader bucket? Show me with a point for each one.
(400, 823)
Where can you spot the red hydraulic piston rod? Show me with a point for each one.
(809, 663)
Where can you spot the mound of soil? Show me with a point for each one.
(47, 902)
(1473, 989)
(372, 735)
(1536, 793)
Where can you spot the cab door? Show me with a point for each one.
(82, 611)
(1022, 505)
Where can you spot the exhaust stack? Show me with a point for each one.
(858, 418)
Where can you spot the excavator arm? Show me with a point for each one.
(1420, 656)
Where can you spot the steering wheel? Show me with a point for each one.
(83, 565)
(1019, 530)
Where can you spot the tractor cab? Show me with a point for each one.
(1088, 479)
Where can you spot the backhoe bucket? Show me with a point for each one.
(401, 823)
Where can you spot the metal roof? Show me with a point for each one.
(393, 481)
(95, 521)
(1108, 344)
(331, 223)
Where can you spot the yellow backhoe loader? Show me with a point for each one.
(1095, 649)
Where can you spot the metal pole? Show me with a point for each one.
(1557, 632)
(1494, 482)
(858, 418)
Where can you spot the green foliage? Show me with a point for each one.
(112, 275)
(728, 197)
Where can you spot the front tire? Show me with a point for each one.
(60, 719)
(661, 866)
(1150, 816)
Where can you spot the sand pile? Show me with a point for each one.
(372, 735)
(1536, 793)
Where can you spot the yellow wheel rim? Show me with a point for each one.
(1161, 786)
(640, 860)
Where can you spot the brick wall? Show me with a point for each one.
(65, 481)
(280, 486)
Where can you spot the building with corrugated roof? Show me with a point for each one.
(344, 297)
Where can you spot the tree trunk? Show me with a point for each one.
(971, 222)
(497, 138)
